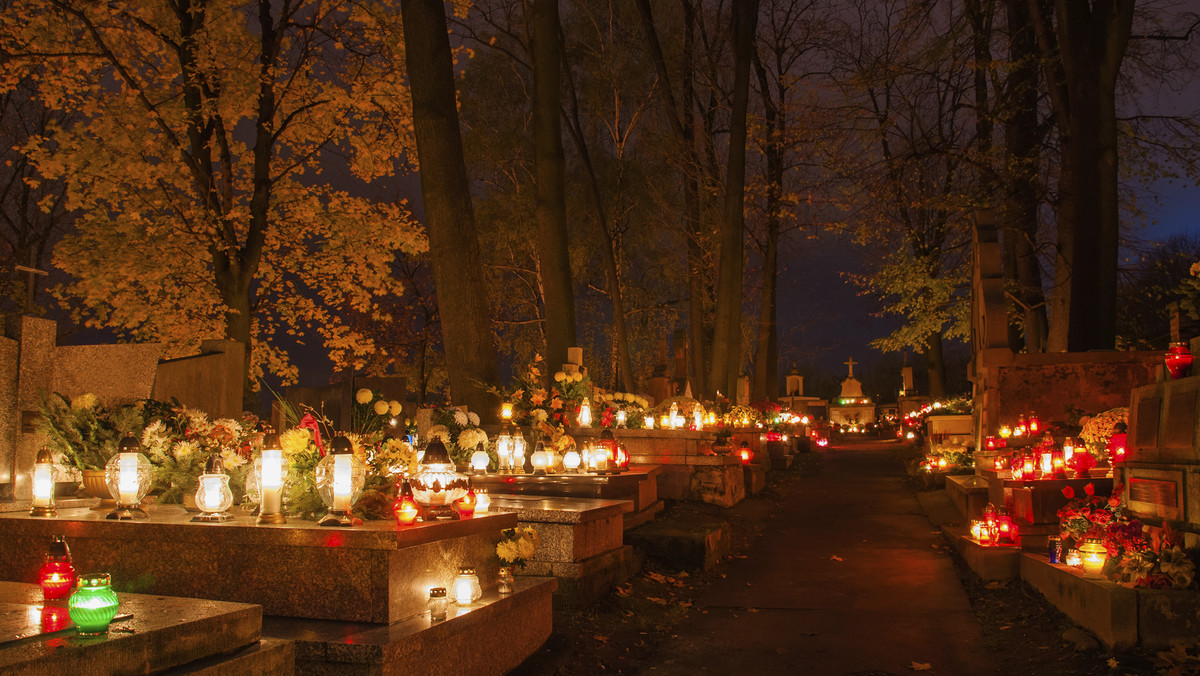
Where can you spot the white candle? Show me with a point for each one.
(342, 470)
(272, 481)
(127, 479)
(43, 484)
(212, 492)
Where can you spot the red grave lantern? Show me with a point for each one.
(465, 506)
(405, 506)
(1035, 423)
(57, 575)
(745, 453)
(622, 457)
(1179, 360)
(609, 443)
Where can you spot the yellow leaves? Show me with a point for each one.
(921, 666)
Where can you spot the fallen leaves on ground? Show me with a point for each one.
(921, 666)
(835, 557)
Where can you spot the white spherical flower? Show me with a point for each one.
(559, 377)
(395, 407)
(577, 376)
(460, 418)
(183, 450)
(382, 408)
(439, 432)
(473, 418)
(540, 414)
(364, 396)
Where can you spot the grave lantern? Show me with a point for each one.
(437, 604)
(213, 496)
(977, 530)
(1018, 468)
(571, 460)
(93, 605)
(698, 418)
(480, 461)
(1029, 466)
(466, 587)
(436, 485)
(622, 462)
(128, 477)
(1022, 427)
(1005, 431)
(540, 459)
(608, 444)
(648, 422)
(1178, 360)
(1034, 423)
(483, 501)
(1068, 450)
(1059, 463)
(42, 477)
(465, 506)
(405, 506)
(518, 452)
(1093, 555)
(585, 413)
(621, 416)
(1046, 458)
(339, 479)
(745, 453)
(57, 576)
(504, 446)
(269, 472)
(506, 411)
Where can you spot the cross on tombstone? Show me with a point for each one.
(850, 362)
(33, 273)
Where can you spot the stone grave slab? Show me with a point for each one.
(1104, 608)
(989, 563)
(695, 545)
(492, 636)
(755, 477)
(969, 493)
(581, 543)
(162, 633)
(371, 573)
(638, 487)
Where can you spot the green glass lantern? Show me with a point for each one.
(94, 604)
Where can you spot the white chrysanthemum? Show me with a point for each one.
(395, 407)
(460, 418)
(559, 376)
(440, 433)
(232, 459)
(540, 414)
(85, 402)
(473, 418)
(382, 407)
(364, 396)
(577, 376)
(184, 450)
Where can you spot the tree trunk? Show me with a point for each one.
(453, 244)
(1022, 148)
(766, 357)
(727, 332)
(551, 171)
(1082, 67)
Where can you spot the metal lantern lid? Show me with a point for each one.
(437, 593)
(744, 444)
(129, 445)
(271, 441)
(45, 457)
(436, 453)
(466, 570)
(340, 445)
(58, 549)
(214, 464)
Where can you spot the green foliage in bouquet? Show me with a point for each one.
(84, 432)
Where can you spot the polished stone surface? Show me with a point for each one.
(370, 573)
(639, 485)
(491, 636)
(163, 633)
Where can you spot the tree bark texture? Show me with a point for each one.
(550, 171)
(453, 243)
(727, 333)
(1091, 39)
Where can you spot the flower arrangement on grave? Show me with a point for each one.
(1098, 429)
(461, 434)
(178, 441)
(82, 431)
(944, 457)
(771, 414)
(1160, 564)
(517, 546)
(741, 416)
(632, 405)
(394, 458)
(1089, 516)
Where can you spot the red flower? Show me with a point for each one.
(1089, 489)
(1101, 516)
(1068, 492)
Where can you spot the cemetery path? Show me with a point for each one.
(848, 578)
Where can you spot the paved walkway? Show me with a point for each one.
(849, 578)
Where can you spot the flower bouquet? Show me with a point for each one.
(461, 434)
(517, 546)
(1098, 429)
(83, 432)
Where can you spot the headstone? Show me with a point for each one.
(906, 379)
(743, 390)
(851, 387)
(795, 383)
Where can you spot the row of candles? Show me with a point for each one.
(671, 420)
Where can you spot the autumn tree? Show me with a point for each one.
(193, 165)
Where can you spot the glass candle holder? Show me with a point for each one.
(466, 587)
(483, 501)
(436, 485)
(405, 507)
(213, 496)
(94, 604)
(339, 479)
(128, 477)
(438, 604)
(270, 472)
(1093, 555)
(42, 480)
(57, 575)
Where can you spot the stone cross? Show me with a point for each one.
(851, 364)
